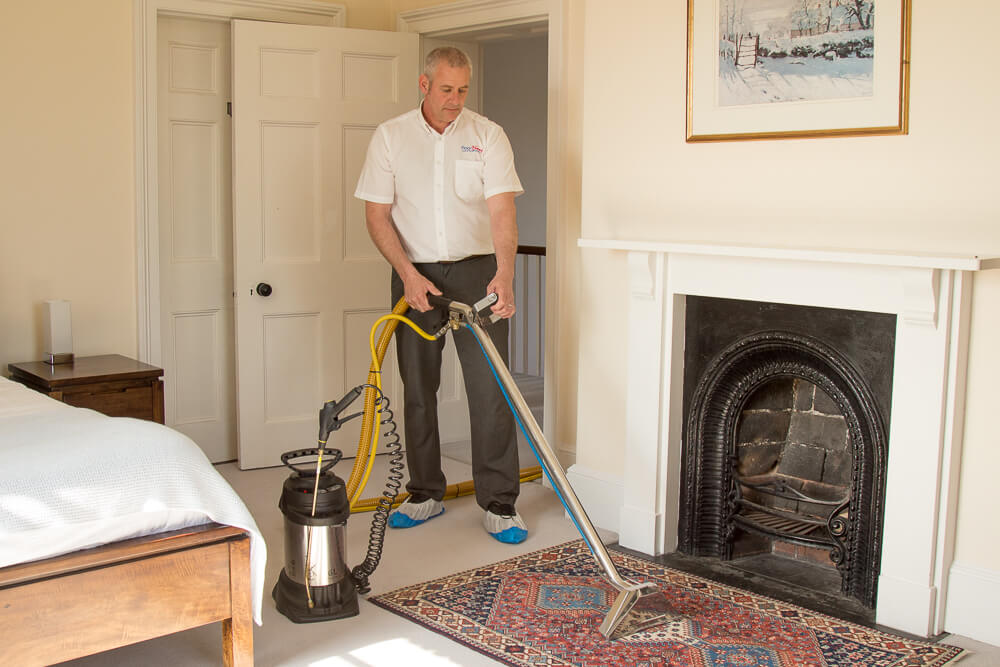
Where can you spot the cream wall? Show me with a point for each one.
(933, 190)
(66, 176)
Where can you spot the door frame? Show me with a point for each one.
(438, 21)
(145, 15)
(467, 15)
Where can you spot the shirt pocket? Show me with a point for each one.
(469, 179)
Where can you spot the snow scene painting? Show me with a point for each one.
(773, 51)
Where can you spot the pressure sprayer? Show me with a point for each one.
(314, 540)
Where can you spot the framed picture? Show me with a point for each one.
(778, 69)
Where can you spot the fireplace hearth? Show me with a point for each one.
(759, 459)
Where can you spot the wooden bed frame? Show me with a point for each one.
(126, 592)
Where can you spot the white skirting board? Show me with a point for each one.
(973, 607)
(600, 494)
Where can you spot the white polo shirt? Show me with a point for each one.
(438, 183)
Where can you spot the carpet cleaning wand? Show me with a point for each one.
(637, 606)
(316, 585)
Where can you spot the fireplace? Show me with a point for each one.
(785, 434)
(929, 298)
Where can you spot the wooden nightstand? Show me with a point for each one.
(110, 383)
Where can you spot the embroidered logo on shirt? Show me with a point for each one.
(471, 149)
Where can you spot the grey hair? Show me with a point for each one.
(449, 55)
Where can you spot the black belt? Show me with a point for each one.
(464, 259)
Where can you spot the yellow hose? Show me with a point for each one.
(376, 371)
(368, 440)
(458, 490)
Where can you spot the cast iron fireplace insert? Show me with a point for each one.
(733, 349)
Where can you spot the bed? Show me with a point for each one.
(115, 531)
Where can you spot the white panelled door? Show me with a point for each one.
(306, 101)
(195, 241)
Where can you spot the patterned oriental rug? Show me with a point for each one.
(544, 609)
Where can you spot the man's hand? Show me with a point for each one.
(415, 289)
(380, 228)
(504, 289)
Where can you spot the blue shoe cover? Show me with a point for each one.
(504, 523)
(401, 520)
(512, 535)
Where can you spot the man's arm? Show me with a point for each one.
(378, 219)
(503, 225)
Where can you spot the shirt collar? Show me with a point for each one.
(430, 130)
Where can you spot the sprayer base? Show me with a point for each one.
(338, 600)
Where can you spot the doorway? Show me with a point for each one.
(511, 65)
(151, 345)
(205, 410)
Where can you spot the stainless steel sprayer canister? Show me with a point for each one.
(315, 584)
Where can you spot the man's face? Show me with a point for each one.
(444, 97)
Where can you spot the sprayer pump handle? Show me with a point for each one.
(331, 455)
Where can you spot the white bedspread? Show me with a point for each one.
(72, 478)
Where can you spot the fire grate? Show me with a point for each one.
(773, 524)
(717, 502)
(792, 526)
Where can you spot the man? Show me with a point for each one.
(439, 186)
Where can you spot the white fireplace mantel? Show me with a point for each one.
(931, 296)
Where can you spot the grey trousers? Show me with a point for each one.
(495, 467)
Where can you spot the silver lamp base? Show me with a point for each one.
(53, 358)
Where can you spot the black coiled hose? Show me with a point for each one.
(380, 516)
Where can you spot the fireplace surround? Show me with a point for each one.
(930, 297)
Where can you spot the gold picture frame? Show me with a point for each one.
(787, 69)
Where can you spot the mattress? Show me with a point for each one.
(72, 478)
